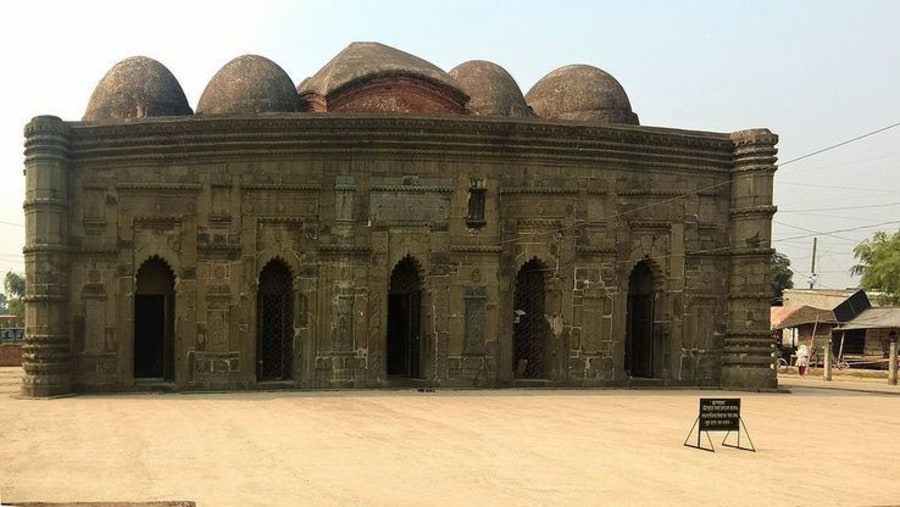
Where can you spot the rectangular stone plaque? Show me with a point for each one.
(475, 299)
(343, 324)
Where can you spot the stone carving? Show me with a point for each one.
(475, 300)
(343, 326)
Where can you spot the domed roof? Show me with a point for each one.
(137, 87)
(492, 90)
(366, 60)
(249, 84)
(581, 93)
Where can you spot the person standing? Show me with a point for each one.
(802, 359)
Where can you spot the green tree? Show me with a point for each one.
(879, 266)
(14, 286)
(782, 275)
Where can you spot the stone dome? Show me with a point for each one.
(249, 84)
(137, 87)
(581, 93)
(492, 91)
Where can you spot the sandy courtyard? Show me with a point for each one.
(512, 447)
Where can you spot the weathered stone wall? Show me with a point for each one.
(341, 200)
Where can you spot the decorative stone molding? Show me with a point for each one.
(154, 186)
(477, 249)
(287, 187)
(337, 249)
(538, 190)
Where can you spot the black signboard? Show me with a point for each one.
(720, 414)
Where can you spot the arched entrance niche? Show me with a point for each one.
(275, 323)
(154, 321)
(403, 321)
(530, 328)
(639, 351)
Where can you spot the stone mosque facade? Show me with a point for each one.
(390, 224)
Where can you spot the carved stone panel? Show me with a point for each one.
(475, 301)
(410, 200)
(343, 323)
(218, 330)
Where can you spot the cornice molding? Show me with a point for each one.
(399, 135)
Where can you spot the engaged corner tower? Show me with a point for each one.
(747, 354)
(46, 352)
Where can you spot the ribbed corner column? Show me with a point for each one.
(747, 359)
(46, 356)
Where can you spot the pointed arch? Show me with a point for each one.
(403, 350)
(275, 321)
(154, 321)
(643, 284)
(531, 331)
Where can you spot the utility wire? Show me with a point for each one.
(838, 145)
(851, 229)
(838, 187)
(862, 206)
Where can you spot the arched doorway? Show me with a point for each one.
(154, 322)
(530, 331)
(404, 313)
(639, 324)
(275, 323)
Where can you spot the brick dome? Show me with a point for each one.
(581, 93)
(492, 91)
(137, 87)
(371, 77)
(249, 84)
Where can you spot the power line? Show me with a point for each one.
(811, 231)
(862, 206)
(851, 229)
(838, 187)
(843, 143)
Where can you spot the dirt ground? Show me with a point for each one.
(816, 446)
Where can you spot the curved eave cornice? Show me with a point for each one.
(215, 138)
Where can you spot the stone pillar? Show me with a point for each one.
(746, 361)
(892, 366)
(46, 359)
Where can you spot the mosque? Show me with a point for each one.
(386, 223)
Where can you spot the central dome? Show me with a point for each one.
(370, 77)
(581, 93)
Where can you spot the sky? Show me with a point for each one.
(816, 72)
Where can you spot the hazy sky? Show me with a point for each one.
(815, 72)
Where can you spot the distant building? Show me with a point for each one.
(813, 316)
(389, 223)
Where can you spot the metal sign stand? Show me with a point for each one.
(738, 446)
(711, 448)
(719, 414)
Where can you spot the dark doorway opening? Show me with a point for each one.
(154, 322)
(639, 323)
(275, 323)
(404, 313)
(530, 330)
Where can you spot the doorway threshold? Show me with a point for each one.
(532, 382)
(154, 385)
